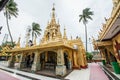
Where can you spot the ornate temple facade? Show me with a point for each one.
(55, 51)
(108, 41)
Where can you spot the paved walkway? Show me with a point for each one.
(82, 74)
(5, 76)
(93, 72)
(96, 73)
(27, 75)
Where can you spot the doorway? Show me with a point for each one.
(29, 60)
(48, 60)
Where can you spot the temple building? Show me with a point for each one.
(55, 52)
(108, 42)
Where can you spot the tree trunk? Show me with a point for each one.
(9, 28)
(86, 36)
(32, 36)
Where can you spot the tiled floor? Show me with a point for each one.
(82, 74)
(96, 72)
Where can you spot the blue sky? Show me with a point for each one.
(67, 12)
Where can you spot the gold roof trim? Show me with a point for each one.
(110, 22)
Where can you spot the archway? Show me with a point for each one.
(42, 60)
(29, 60)
(48, 60)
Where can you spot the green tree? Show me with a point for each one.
(10, 10)
(35, 30)
(89, 56)
(86, 14)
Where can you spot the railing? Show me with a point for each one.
(110, 75)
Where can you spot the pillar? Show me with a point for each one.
(103, 54)
(11, 62)
(107, 56)
(75, 65)
(46, 56)
(84, 58)
(60, 68)
(36, 64)
(116, 53)
(79, 56)
(70, 60)
(21, 62)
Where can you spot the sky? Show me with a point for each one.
(67, 12)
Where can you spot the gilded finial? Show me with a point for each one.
(53, 7)
(18, 43)
(65, 37)
(53, 15)
(64, 28)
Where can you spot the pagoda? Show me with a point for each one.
(55, 52)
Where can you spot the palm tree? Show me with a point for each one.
(10, 10)
(86, 14)
(3, 3)
(35, 30)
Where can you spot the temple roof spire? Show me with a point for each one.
(64, 36)
(53, 21)
(53, 11)
(115, 2)
(18, 43)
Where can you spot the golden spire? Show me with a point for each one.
(18, 43)
(64, 37)
(53, 11)
(53, 21)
